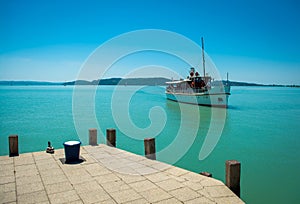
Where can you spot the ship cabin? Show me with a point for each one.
(194, 83)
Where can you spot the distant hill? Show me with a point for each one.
(157, 81)
(119, 81)
(236, 83)
(29, 83)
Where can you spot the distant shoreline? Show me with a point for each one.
(159, 81)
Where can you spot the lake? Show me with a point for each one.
(260, 129)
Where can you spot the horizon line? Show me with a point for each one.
(63, 82)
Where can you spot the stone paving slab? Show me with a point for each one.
(107, 175)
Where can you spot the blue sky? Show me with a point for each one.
(255, 41)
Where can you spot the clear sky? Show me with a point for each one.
(253, 40)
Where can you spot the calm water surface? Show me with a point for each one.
(261, 130)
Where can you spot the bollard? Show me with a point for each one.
(13, 145)
(233, 173)
(111, 137)
(207, 174)
(72, 151)
(92, 136)
(149, 144)
(50, 149)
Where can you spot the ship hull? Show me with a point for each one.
(203, 99)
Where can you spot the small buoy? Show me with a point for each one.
(50, 149)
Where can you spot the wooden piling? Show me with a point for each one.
(92, 136)
(149, 144)
(111, 137)
(13, 145)
(207, 174)
(233, 173)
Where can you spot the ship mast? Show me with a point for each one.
(203, 59)
(227, 78)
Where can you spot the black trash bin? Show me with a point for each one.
(72, 149)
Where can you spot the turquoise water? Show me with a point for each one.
(261, 130)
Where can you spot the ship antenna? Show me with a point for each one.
(203, 59)
(227, 78)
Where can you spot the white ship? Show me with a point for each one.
(199, 90)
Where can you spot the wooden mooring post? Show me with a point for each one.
(111, 137)
(93, 136)
(13, 145)
(233, 173)
(150, 152)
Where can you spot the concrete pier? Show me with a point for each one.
(107, 175)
